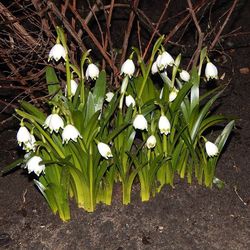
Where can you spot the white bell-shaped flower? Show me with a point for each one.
(185, 76)
(92, 72)
(151, 142)
(173, 94)
(164, 60)
(109, 96)
(129, 100)
(211, 149)
(57, 52)
(31, 144)
(104, 150)
(164, 125)
(33, 165)
(23, 136)
(211, 71)
(54, 122)
(154, 68)
(70, 132)
(140, 122)
(128, 68)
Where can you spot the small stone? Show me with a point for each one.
(245, 70)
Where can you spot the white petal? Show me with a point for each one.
(164, 125)
(23, 135)
(211, 71)
(211, 149)
(151, 142)
(140, 122)
(128, 68)
(70, 133)
(154, 68)
(184, 75)
(109, 96)
(130, 101)
(57, 52)
(33, 165)
(104, 150)
(92, 71)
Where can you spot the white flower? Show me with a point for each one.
(57, 52)
(92, 72)
(151, 142)
(23, 135)
(54, 122)
(70, 133)
(154, 68)
(73, 87)
(128, 68)
(164, 125)
(173, 94)
(33, 165)
(211, 148)
(211, 71)
(30, 145)
(104, 150)
(109, 96)
(130, 101)
(140, 122)
(164, 60)
(184, 75)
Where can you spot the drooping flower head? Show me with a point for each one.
(163, 60)
(154, 68)
(128, 68)
(151, 142)
(164, 125)
(211, 149)
(23, 136)
(92, 72)
(70, 132)
(140, 122)
(211, 71)
(33, 165)
(54, 122)
(129, 101)
(104, 150)
(57, 52)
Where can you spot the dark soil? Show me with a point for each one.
(186, 217)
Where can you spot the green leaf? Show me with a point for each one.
(31, 109)
(54, 87)
(99, 90)
(12, 166)
(195, 80)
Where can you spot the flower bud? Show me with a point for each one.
(140, 122)
(151, 142)
(57, 52)
(211, 71)
(173, 94)
(70, 132)
(92, 72)
(129, 101)
(164, 125)
(104, 150)
(211, 149)
(128, 68)
(184, 75)
(73, 86)
(33, 165)
(54, 122)
(109, 96)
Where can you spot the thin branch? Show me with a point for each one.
(217, 37)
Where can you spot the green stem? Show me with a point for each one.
(91, 180)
